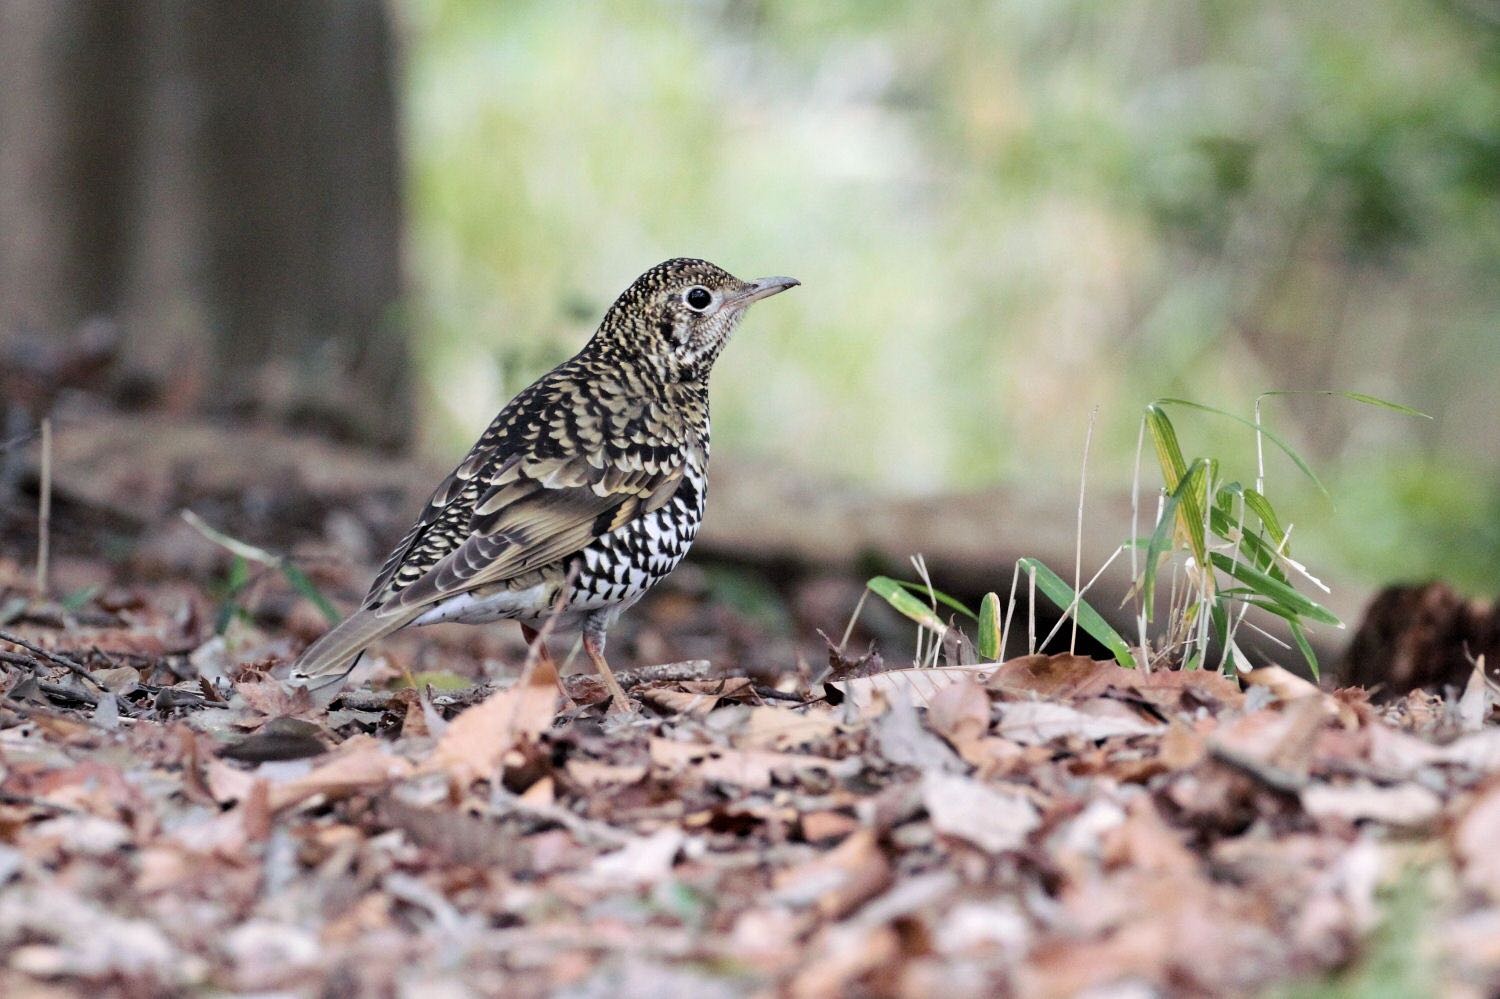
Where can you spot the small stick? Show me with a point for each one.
(44, 511)
(1083, 478)
(67, 662)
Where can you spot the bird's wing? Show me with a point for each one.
(530, 513)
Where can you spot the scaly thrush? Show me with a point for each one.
(585, 491)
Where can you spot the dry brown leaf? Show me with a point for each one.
(1035, 723)
(227, 783)
(1067, 677)
(844, 954)
(642, 861)
(960, 713)
(593, 773)
(1145, 841)
(1475, 842)
(820, 826)
(990, 818)
(918, 685)
(271, 697)
(475, 742)
(361, 763)
(783, 728)
(1058, 676)
(839, 880)
(1407, 805)
(751, 768)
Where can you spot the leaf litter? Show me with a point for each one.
(173, 818)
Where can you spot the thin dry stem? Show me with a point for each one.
(44, 511)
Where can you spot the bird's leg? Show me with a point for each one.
(539, 648)
(593, 643)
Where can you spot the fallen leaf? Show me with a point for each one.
(960, 713)
(271, 697)
(592, 773)
(642, 861)
(1070, 677)
(361, 763)
(752, 768)
(477, 740)
(1474, 841)
(783, 728)
(1035, 723)
(919, 684)
(991, 819)
(839, 880)
(901, 738)
(820, 826)
(278, 739)
(1406, 805)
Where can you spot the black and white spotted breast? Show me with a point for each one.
(620, 566)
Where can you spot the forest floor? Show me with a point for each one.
(773, 818)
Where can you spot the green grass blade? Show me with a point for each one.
(989, 627)
(1182, 480)
(1300, 637)
(1286, 448)
(1261, 554)
(1274, 590)
(299, 581)
(898, 596)
(922, 590)
(1360, 397)
(1161, 540)
(1063, 595)
(1168, 450)
(1261, 507)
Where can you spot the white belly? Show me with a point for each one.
(503, 606)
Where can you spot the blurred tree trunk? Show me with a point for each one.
(222, 179)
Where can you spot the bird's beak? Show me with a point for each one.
(762, 288)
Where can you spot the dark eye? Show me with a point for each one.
(698, 298)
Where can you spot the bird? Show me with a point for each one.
(584, 492)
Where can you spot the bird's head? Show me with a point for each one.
(680, 313)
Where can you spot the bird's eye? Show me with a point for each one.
(698, 298)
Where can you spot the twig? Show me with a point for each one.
(44, 511)
(1083, 478)
(61, 659)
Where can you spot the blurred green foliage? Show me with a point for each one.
(1003, 214)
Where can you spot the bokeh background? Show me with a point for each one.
(1007, 216)
(1004, 215)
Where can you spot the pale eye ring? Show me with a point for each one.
(698, 298)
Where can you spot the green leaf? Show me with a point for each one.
(1168, 451)
(1274, 590)
(1300, 637)
(1161, 540)
(1258, 427)
(895, 593)
(1261, 507)
(80, 597)
(989, 627)
(1256, 547)
(1368, 400)
(1176, 474)
(923, 590)
(1063, 595)
(305, 586)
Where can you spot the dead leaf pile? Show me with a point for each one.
(173, 820)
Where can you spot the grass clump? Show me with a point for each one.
(1217, 549)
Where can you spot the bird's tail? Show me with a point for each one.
(331, 658)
